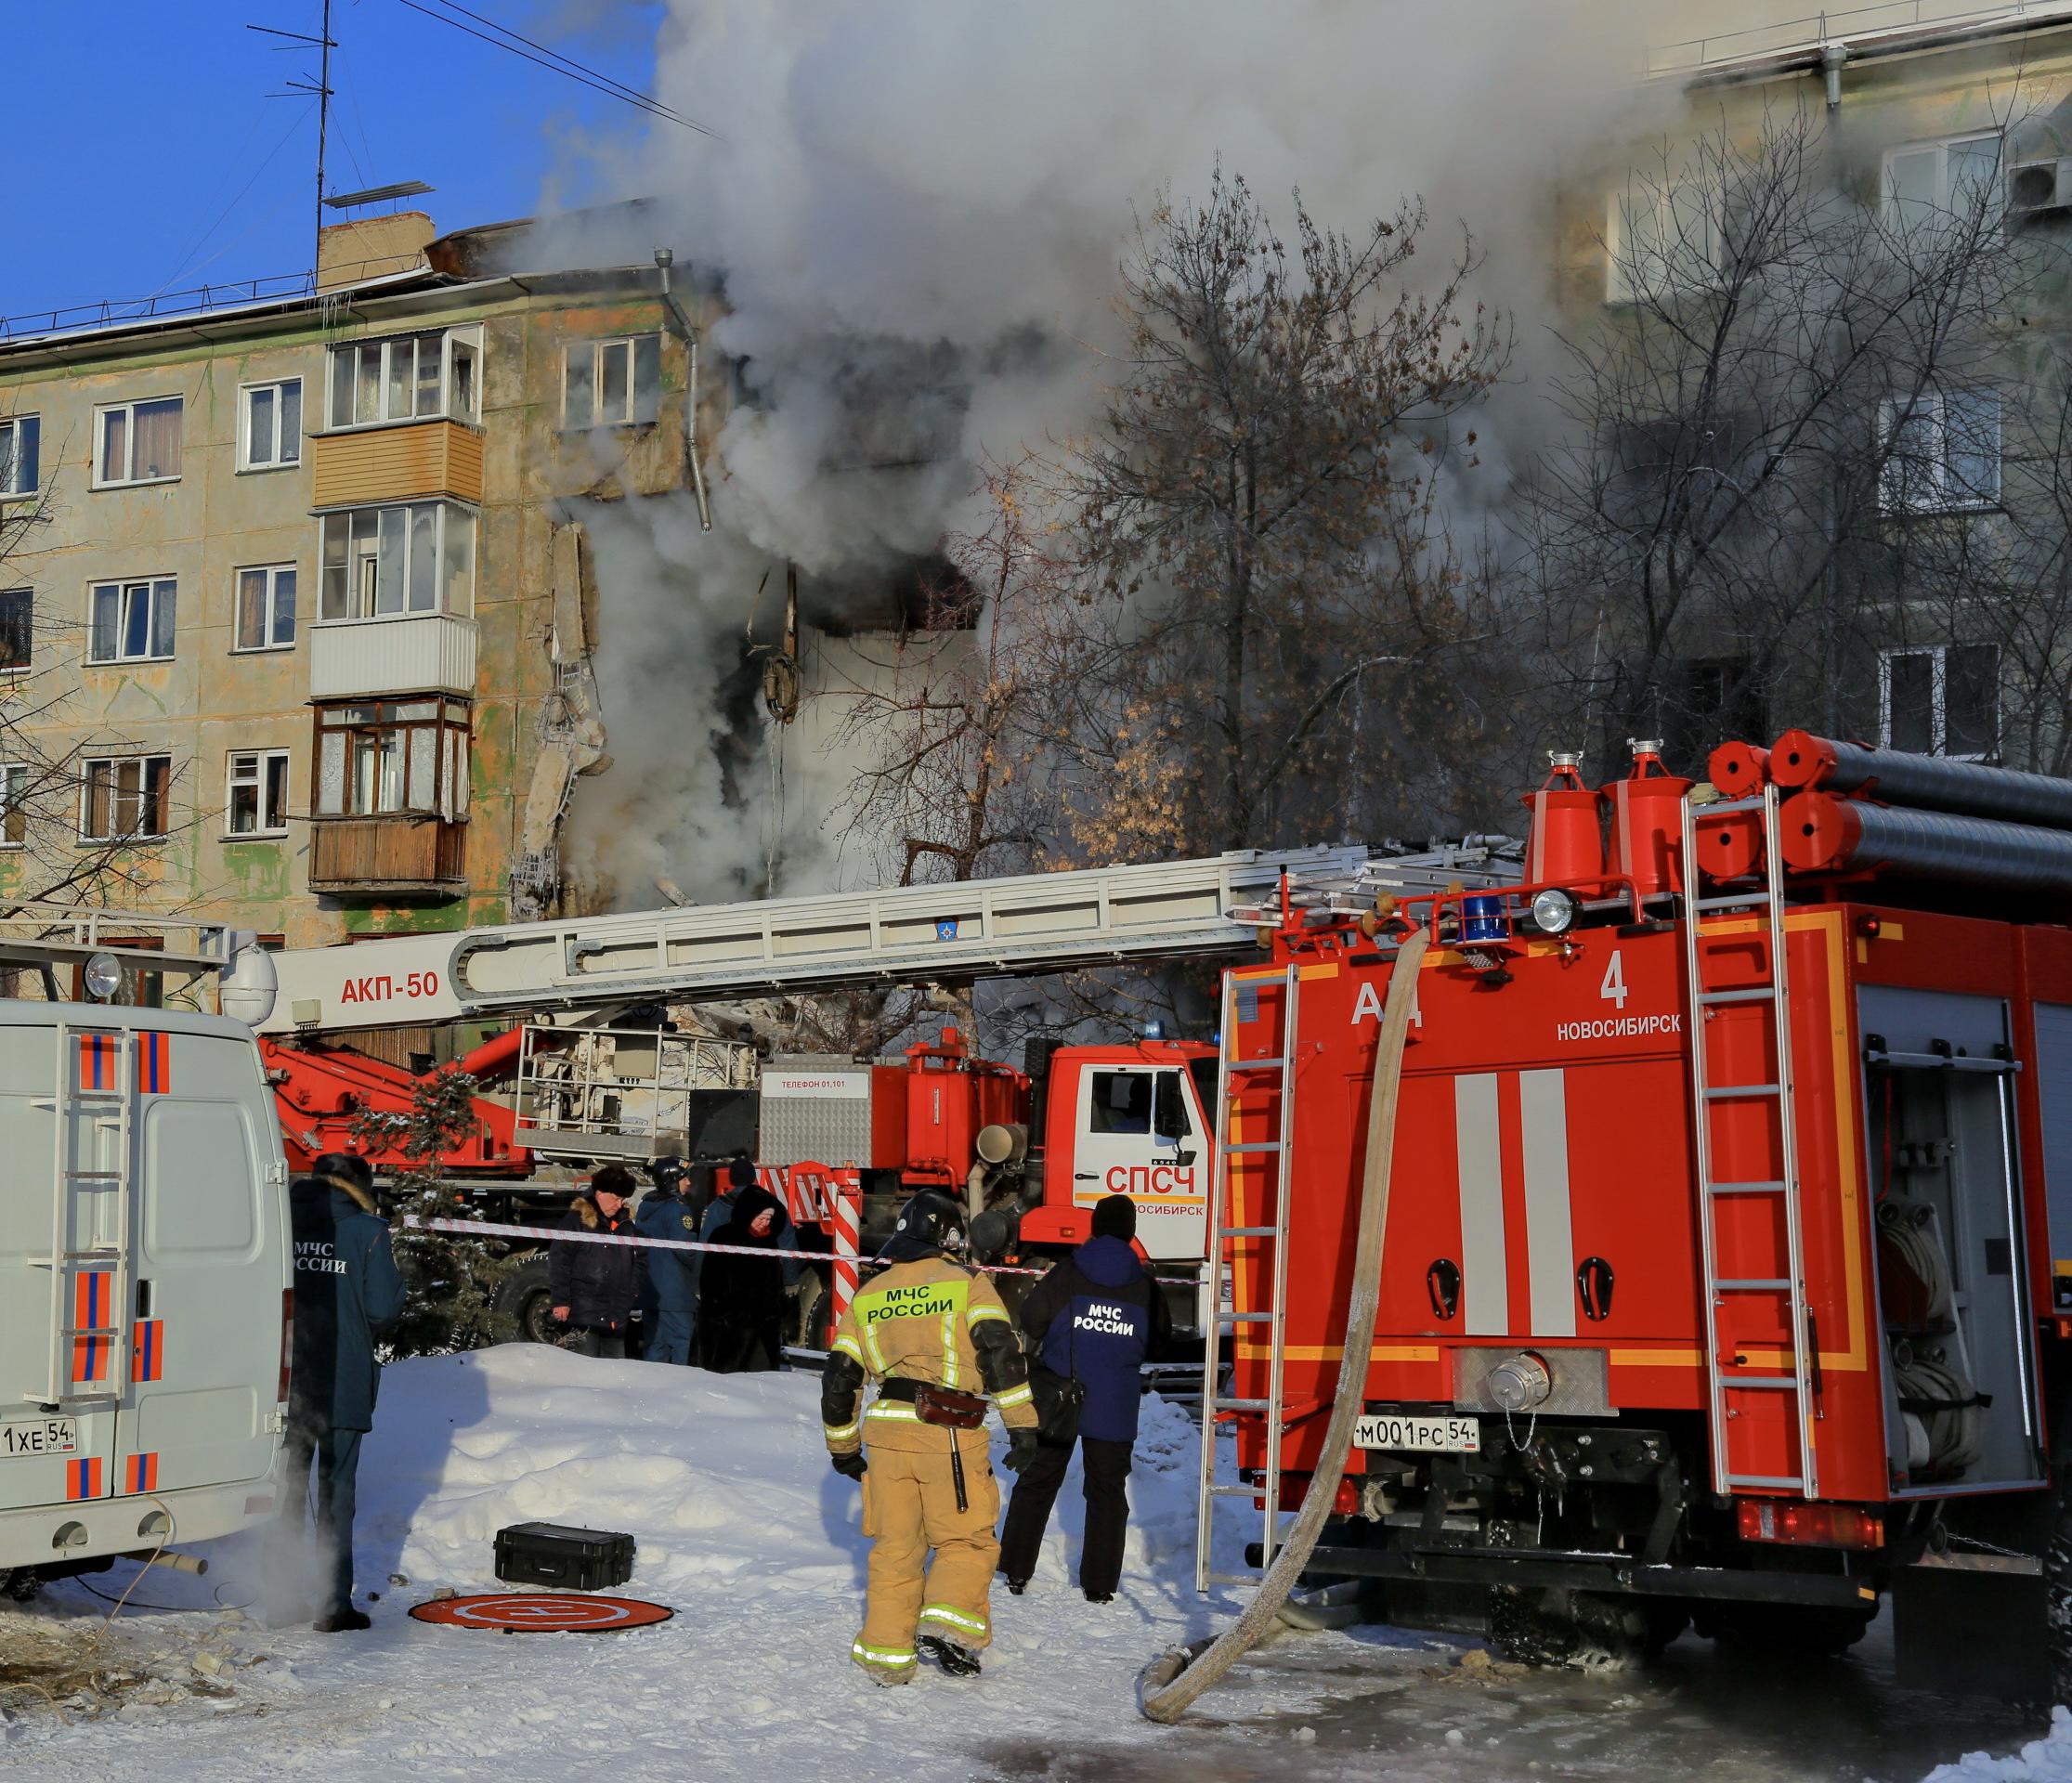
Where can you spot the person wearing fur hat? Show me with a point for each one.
(347, 1293)
(1093, 1319)
(741, 1300)
(594, 1288)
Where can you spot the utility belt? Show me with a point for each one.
(932, 1404)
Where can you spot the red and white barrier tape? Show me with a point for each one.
(561, 1234)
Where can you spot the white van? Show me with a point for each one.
(145, 1283)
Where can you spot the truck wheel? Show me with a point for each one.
(1592, 1630)
(20, 1584)
(2057, 1590)
(522, 1309)
(813, 1305)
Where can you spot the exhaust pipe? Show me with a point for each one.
(167, 1557)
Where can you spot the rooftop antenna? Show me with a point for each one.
(324, 44)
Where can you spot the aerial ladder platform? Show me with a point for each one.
(1022, 927)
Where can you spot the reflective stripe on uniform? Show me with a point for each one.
(949, 1347)
(877, 1363)
(955, 1618)
(892, 1658)
(1015, 1396)
(850, 1348)
(984, 1310)
(899, 1409)
(841, 1432)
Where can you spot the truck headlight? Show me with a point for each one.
(1553, 911)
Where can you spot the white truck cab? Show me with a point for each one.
(144, 1275)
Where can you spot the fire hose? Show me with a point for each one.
(1169, 1684)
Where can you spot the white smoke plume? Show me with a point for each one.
(917, 213)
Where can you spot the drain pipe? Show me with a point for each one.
(664, 257)
(1832, 57)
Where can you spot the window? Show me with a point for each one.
(1928, 180)
(138, 442)
(1942, 701)
(410, 378)
(257, 804)
(126, 799)
(20, 436)
(611, 384)
(266, 607)
(269, 425)
(1121, 1102)
(18, 613)
(14, 814)
(1661, 238)
(1942, 452)
(391, 758)
(379, 562)
(132, 621)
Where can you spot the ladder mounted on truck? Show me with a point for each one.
(1747, 1370)
(1255, 1223)
(1025, 927)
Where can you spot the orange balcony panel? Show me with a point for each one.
(365, 856)
(407, 463)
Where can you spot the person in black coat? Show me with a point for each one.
(347, 1293)
(594, 1288)
(1093, 1319)
(741, 1298)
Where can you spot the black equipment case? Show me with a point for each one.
(557, 1554)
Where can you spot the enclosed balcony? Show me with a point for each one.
(416, 653)
(365, 856)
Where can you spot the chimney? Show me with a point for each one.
(370, 246)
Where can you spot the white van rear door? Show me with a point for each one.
(205, 1345)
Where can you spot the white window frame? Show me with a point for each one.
(152, 588)
(597, 349)
(281, 447)
(469, 339)
(14, 788)
(129, 408)
(1939, 714)
(12, 428)
(1660, 198)
(1888, 198)
(143, 763)
(272, 572)
(446, 515)
(258, 778)
(1933, 407)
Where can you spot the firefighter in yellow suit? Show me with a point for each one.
(936, 1339)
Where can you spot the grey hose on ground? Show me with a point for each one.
(1171, 1683)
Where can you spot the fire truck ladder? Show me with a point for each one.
(1265, 1222)
(79, 1179)
(1733, 1392)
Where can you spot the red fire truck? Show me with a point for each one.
(1722, 1275)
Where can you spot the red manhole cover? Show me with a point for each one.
(540, 1612)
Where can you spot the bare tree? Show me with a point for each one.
(1257, 515)
(1777, 446)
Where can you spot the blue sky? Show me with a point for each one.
(159, 164)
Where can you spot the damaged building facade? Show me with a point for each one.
(1823, 412)
(299, 612)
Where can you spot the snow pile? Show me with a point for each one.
(2047, 1760)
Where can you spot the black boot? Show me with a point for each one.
(343, 1621)
(958, 1661)
(1100, 1596)
(1017, 1586)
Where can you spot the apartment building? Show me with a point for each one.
(296, 615)
(1930, 528)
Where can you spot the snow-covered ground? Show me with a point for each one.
(747, 1534)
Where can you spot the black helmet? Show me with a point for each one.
(667, 1173)
(344, 1167)
(932, 1221)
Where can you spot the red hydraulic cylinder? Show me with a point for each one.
(1565, 845)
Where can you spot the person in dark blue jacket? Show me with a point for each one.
(1093, 1319)
(347, 1293)
(671, 1279)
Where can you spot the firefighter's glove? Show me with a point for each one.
(849, 1466)
(1022, 1449)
